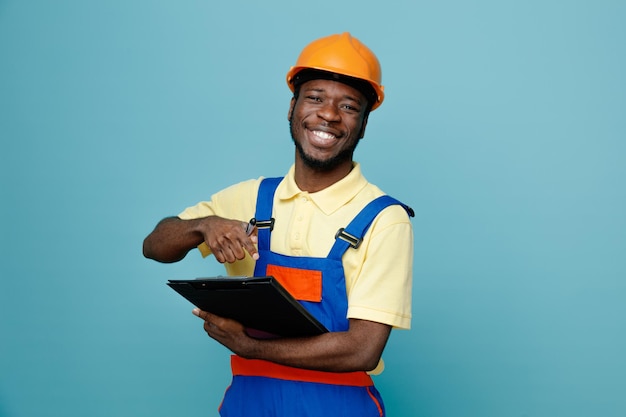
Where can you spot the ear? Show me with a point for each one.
(292, 104)
(362, 132)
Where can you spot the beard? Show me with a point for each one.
(322, 165)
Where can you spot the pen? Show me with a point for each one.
(250, 226)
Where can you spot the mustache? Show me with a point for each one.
(321, 165)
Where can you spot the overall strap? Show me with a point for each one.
(264, 205)
(352, 235)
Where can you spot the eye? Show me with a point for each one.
(351, 108)
(314, 98)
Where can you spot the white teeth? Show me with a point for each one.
(323, 135)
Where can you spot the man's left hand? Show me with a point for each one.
(228, 332)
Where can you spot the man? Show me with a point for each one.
(335, 241)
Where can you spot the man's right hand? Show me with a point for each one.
(173, 238)
(228, 240)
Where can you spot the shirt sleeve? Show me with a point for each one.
(236, 202)
(381, 289)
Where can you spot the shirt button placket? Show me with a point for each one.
(298, 231)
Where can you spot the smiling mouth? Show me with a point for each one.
(321, 138)
(323, 135)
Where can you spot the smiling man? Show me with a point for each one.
(327, 119)
(342, 247)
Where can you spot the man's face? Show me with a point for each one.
(327, 121)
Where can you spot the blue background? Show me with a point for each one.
(504, 127)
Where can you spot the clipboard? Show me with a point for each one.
(261, 304)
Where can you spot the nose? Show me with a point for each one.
(329, 112)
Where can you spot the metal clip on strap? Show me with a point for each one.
(265, 224)
(347, 237)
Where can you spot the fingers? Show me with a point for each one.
(218, 327)
(209, 327)
(205, 315)
(228, 248)
(210, 320)
(231, 241)
(249, 246)
(202, 314)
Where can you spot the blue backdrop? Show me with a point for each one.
(504, 127)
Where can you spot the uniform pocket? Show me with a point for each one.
(302, 284)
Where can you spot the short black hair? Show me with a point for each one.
(309, 74)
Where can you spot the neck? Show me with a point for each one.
(312, 180)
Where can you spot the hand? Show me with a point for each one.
(331, 352)
(228, 239)
(228, 332)
(173, 238)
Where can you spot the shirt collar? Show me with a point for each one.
(331, 198)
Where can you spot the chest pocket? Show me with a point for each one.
(302, 284)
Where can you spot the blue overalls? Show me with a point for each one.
(265, 389)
